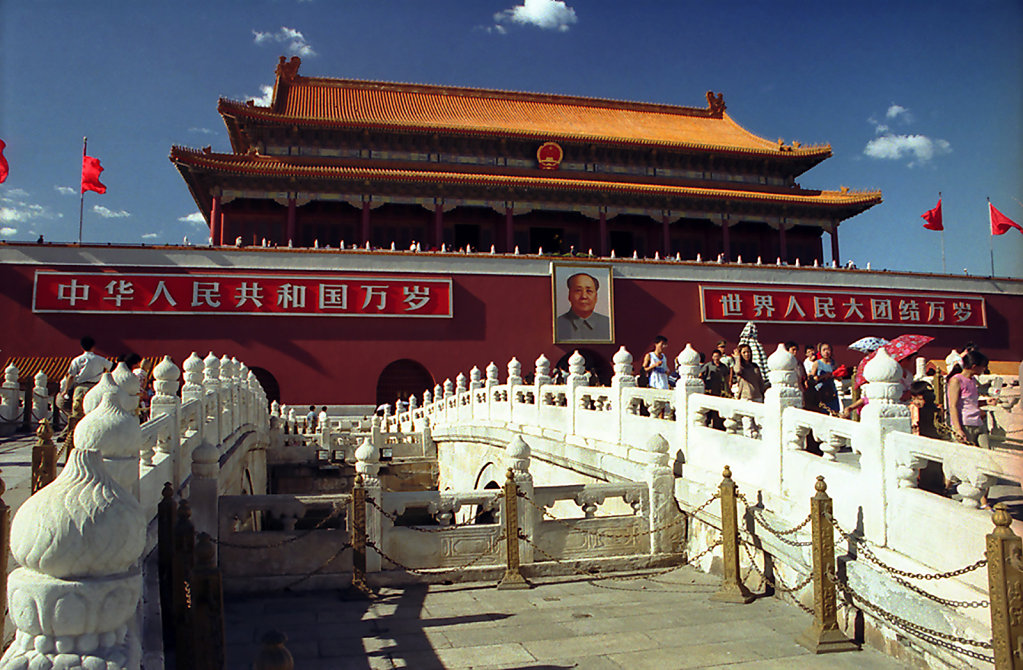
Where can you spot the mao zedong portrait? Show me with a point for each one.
(581, 322)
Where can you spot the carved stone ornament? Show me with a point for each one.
(107, 384)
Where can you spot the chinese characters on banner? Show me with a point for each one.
(720, 303)
(117, 293)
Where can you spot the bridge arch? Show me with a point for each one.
(268, 382)
(403, 377)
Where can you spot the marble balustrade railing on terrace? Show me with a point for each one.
(265, 544)
(871, 466)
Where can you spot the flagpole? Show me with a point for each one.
(990, 234)
(943, 269)
(81, 202)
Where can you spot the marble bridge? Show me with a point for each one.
(608, 479)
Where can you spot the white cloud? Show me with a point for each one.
(294, 39)
(897, 111)
(265, 97)
(544, 14)
(16, 210)
(195, 218)
(201, 131)
(7, 231)
(896, 147)
(150, 236)
(109, 213)
(65, 190)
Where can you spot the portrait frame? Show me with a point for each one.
(566, 327)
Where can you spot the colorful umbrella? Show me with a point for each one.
(900, 348)
(868, 344)
(749, 336)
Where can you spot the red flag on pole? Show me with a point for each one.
(90, 175)
(3, 163)
(933, 218)
(1000, 223)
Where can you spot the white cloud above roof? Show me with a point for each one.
(195, 218)
(295, 41)
(265, 97)
(7, 231)
(65, 190)
(109, 213)
(544, 14)
(919, 148)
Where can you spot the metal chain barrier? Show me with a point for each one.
(944, 640)
(775, 581)
(758, 515)
(337, 510)
(434, 571)
(438, 529)
(699, 509)
(864, 549)
(344, 547)
(939, 599)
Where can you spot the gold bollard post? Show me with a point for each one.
(359, 584)
(5, 550)
(207, 608)
(1005, 589)
(166, 512)
(44, 457)
(824, 636)
(513, 578)
(184, 559)
(732, 589)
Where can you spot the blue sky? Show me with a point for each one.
(914, 97)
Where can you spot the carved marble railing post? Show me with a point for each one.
(211, 405)
(577, 378)
(783, 393)
(367, 465)
(492, 379)
(622, 365)
(10, 400)
(514, 374)
(426, 439)
(427, 398)
(108, 384)
(227, 398)
(244, 395)
(116, 434)
(193, 378)
(78, 542)
(438, 393)
(475, 378)
(203, 492)
(449, 388)
(661, 483)
(5, 543)
(460, 383)
(687, 363)
(40, 399)
(541, 375)
(166, 401)
(882, 415)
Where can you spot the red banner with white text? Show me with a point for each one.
(728, 303)
(262, 295)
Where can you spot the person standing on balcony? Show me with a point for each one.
(746, 378)
(655, 364)
(969, 425)
(822, 375)
(83, 373)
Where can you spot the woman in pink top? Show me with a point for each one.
(969, 425)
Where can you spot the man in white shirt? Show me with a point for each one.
(83, 373)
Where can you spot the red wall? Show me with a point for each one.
(338, 360)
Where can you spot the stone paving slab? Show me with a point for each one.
(662, 622)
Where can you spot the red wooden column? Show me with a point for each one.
(364, 223)
(783, 248)
(602, 233)
(509, 229)
(438, 223)
(216, 234)
(665, 236)
(834, 242)
(220, 227)
(290, 234)
(726, 245)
